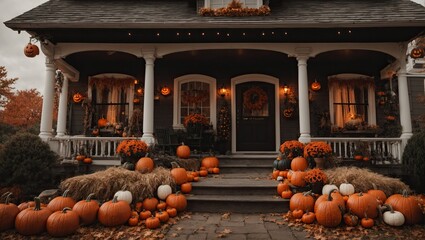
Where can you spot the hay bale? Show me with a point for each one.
(363, 180)
(190, 164)
(104, 184)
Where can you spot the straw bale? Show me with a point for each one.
(104, 184)
(363, 180)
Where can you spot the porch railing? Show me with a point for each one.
(69, 146)
(382, 150)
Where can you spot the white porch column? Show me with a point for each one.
(403, 98)
(48, 98)
(148, 106)
(62, 111)
(304, 107)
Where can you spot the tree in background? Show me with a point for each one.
(5, 86)
(23, 109)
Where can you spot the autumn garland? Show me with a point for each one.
(194, 97)
(254, 98)
(292, 149)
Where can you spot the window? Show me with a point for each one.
(352, 101)
(214, 4)
(194, 94)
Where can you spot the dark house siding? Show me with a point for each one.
(417, 108)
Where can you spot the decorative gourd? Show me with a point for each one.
(163, 191)
(210, 162)
(328, 212)
(179, 174)
(350, 219)
(177, 201)
(303, 201)
(367, 222)
(8, 212)
(87, 210)
(297, 213)
(282, 186)
(61, 202)
(346, 189)
(297, 179)
(114, 213)
(186, 187)
(102, 122)
(162, 216)
(361, 203)
(152, 222)
(172, 212)
(299, 164)
(328, 187)
(393, 218)
(124, 195)
(32, 221)
(31, 50)
(183, 151)
(308, 217)
(62, 223)
(336, 196)
(145, 164)
(407, 205)
(379, 194)
(150, 203)
(145, 214)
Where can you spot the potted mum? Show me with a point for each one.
(131, 151)
(317, 152)
(292, 149)
(194, 123)
(316, 178)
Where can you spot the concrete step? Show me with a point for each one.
(237, 203)
(234, 186)
(247, 169)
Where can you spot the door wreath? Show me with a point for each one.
(254, 98)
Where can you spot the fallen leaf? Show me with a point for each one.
(225, 216)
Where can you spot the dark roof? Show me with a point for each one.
(57, 14)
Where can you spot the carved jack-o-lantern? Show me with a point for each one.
(417, 53)
(77, 97)
(31, 50)
(315, 86)
(165, 91)
(136, 100)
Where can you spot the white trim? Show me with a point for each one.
(177, 98)
(258, 78)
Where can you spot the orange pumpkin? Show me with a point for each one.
(145, 165)
(299, 164)
(59, 203)
(358, 157)
(210, 162)
(361, 203)
(150, 203)
(88, 160)
(297, 179)
(183, 151)
(177, 201)
(408, 206)
(102, 122)
(417, 53)
(78, 97)
(31, 50)
(179, 175)
(315, 86)
(186, 187)
(303, 201)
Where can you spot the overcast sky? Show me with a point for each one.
(30, 71)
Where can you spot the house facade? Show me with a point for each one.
(266, 72)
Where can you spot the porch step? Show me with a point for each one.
(233, 185)
(248, 164)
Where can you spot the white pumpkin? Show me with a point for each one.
(346, 189)
(328, 187)
(163, 191)
(393, 218)
(124, 196)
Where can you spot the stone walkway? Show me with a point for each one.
(201, 226)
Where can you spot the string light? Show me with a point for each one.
(178, 34)
(203, 34)
(263, 34)
(218, 33)
(129, 34)
(243, 34)
(157, 34)
(189, 34)
(272, 33)
(228, 34)
(349, 31)
(339, 33)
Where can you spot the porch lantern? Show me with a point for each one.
(286, 90)
(139, 91)
(222, 91)
(315, 86)
(165, 91)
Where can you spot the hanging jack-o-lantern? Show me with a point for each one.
(315, 86)
(165, 91)
(31, 50)
(136, 100)
(417, 53)
(78, 97)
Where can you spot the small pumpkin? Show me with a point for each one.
(62, 223)
(138, 206)
(407, 205)
(297, 213)
(133, 220)
(346, 189)
(367, 222)
(186, 187)
(162, 216)
(177, 201)
(80, 157)
(87, 210)
(152, 222)
(282, 186)
(32, 221)
(379, 194)
(315, 86)
(282, 164)
(183, 151)
(216, 170)
(210, 162)
(124, 195)
(61, 202)
(145, 214)
(145, 164)
(299, 164)
(393, 218)
(275, 173)
(203, 173)
(8, 213)
(287, 194)
(350, 219)
(31, 50)
(163, 191)
(303, 201)
(102, 122)
(150, 203)
(308, 217)
(114, 213)
(172, 212)
(297, 179)
(358, 157)
(161, 205)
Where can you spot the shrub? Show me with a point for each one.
(413, 160)
(26, 161)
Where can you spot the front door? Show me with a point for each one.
(255, 116)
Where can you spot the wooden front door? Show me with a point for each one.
(255, 117)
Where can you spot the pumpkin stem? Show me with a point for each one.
(115, 199)
(147, 155)
(374, 186)
(88, 199)
(330, 195)
(389, 207)
(360, 194)
(405, 193)
(4, 195)
(307, 193)
(6, 201)
(37, 206)
(66, 209)
(65, 193)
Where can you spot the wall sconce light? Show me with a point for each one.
(165, 91)
(315, 86)
(139, 91)
(222, 91)
(285, 89)
(136, 81)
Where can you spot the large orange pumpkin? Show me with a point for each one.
(299, 164)
(210, 162)
(328, 213)
(8, 212)
(87, 210)
(297, 179)
(145, 165)
(408, 206)
(361, 203)
(61, 202)
(179, 175)
(62, 223)
(177, 201)
(303, 201)
(183, 151)
(32, 221)
(114, 213)
(336, 196)
(379, 194)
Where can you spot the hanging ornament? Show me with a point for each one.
(31, 50)
(315, 86)
(78, 97)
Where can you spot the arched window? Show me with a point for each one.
(195, 93)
